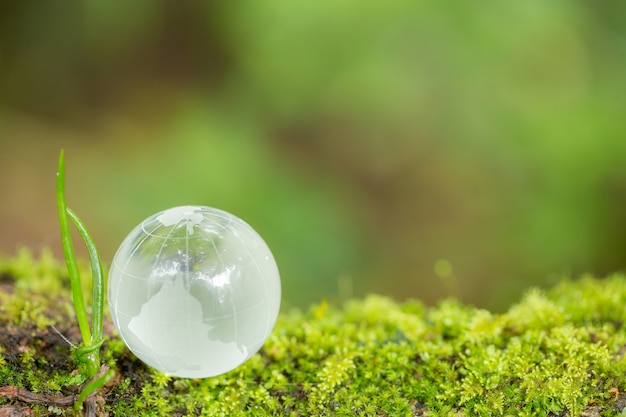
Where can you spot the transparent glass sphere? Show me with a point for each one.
(194, 291)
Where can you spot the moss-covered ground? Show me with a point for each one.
(558, 352)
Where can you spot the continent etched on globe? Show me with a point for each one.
(194, 291)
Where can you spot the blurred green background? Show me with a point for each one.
(414, 149)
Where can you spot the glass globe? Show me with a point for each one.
(194, 291)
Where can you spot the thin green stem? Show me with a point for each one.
(70, 257)
(98, 381)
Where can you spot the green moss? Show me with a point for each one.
(556, 351)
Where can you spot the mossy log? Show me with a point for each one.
(558, 352)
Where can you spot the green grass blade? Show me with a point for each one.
(97, 302)
(70, 257)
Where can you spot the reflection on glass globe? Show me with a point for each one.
(194, 291)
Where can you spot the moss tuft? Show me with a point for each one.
(556, 352)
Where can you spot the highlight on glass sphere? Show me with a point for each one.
(194, 291)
